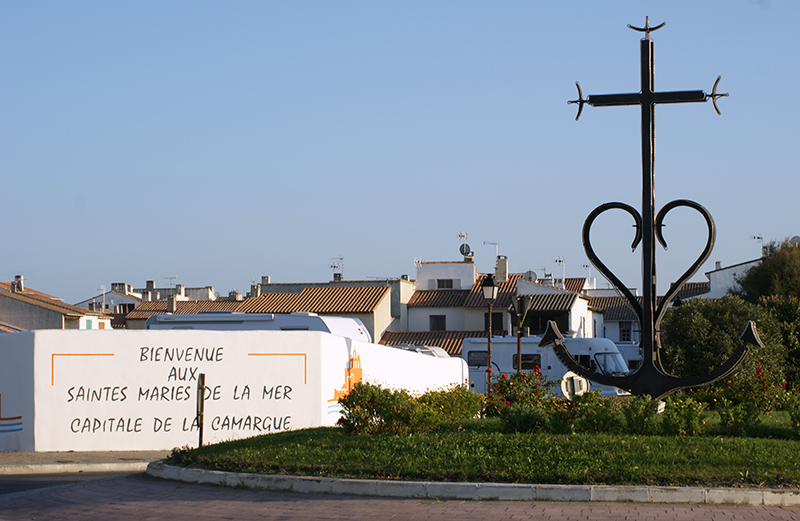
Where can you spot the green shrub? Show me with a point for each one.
(518, 418)
(594, 414)
(561, 415)
(793, 408)
(369, 408)
(736, 419)
(640, 414)
(683, 417)
(453, 403)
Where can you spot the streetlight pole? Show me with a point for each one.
(489, 288)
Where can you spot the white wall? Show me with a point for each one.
(463, 274)
(117, 390)
(419, 318)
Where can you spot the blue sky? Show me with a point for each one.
(218, 142)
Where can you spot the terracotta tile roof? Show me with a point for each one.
(48, 302)
(574, 284)
(450, 341)
(556, 302)
(439, 298)
(692, 289)
(5, 328)
(338, 299)
(183, 307)
(614, 308)
(504, 293)
(6, 286)
(473, 298)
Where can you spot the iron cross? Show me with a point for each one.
(650, 378)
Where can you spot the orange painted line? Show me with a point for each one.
(305, 361)
(12, 418)
(53, 361)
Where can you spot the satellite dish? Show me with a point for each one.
(464, 249)
(417, 261)
(530, 276)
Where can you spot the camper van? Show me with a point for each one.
(347, 327)
(599, 354)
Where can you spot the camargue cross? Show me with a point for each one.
(650, 378)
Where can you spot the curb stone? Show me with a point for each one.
(478, 491)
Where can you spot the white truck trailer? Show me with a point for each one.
(599, 354)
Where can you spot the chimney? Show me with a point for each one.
(718, 265)
(501, 269)
(235, 295)
(337, 277)
(18, 285)
(150, 284)
(172, 304)
(180, 289)
(265, 279)
(255, 290)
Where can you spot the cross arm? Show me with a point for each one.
(610, 100)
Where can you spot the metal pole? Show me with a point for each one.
(519, 342)
(489, 355)
(201, 399)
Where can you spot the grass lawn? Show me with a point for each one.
(479, 450)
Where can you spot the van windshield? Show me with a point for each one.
(611, 363)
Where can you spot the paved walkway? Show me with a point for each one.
(140, 497)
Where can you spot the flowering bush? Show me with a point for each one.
(527, 389)
(683, 417)
(594, 414)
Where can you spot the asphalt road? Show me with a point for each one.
(22, 482)
(138, 497)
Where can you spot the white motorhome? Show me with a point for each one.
(347, 327)
(599, 354)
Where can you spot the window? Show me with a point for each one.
(529, 361)
(438, 323)
(444, 283)
(624, 331)
(497, 322)
(477, 358)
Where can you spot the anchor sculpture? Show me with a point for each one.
(650, 378)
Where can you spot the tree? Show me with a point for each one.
(701, 334)
(778, 274)
(786, 310)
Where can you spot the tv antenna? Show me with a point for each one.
(338, 267)
(464, 249)
(102, 290)
(560, 260)
(171, 280)
(496, 247)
